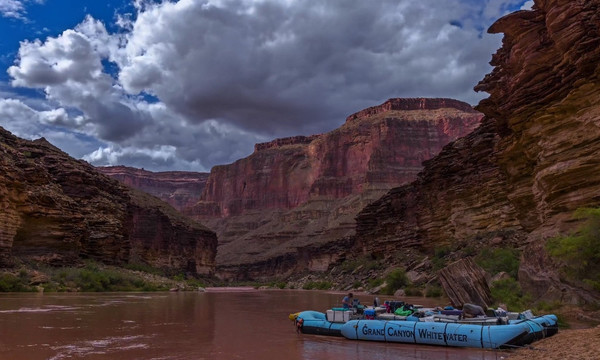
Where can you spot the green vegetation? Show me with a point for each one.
(505, 291)
(580, 251)
(509, 292)
(144, 268)
(439, 257)
(373, 283)
(179, 277)
(318, 285)
(395, 280)
(278, 284)
(92, 278)
(365, 263)
(12, 283)
(500, 259)
(413, 291)
(194, 283)
(433, 291)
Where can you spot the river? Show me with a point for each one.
(248, 325)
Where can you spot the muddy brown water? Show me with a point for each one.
(247, 325)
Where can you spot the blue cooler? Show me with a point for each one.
(369, 313)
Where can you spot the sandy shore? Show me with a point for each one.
(581, 344)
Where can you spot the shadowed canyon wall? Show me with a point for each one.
(518, 178)
(58, 210)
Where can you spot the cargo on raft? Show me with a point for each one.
(431, 330)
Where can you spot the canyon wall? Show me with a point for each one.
(180, 189)
(276, 210)
(59, 211)
(376, 147)
(517, 179)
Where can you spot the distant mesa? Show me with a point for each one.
(294, 140)
(412, 104)
(180, 189)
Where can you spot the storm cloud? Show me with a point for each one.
(191, 84)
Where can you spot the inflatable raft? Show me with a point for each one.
(314, 322)
(540, 327)
(516, 333)
(437, 333)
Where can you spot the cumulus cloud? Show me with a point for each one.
(195, 83)
(12, 8)
(280, 67)
(69, 68)
(22, 120)
(528, 5)
(15, 8)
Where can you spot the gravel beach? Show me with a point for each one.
(580, 344)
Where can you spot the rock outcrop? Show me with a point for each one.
(180, 189)
(279, 210)
(518, 178)
(58, 210)
(464, 282)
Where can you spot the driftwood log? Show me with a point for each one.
(464, 282)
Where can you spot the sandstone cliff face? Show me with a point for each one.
(376, 147)
(58, 210)
(180, 189)
(274, 210)
(518, 178)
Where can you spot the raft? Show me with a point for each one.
(540, 327)
(437, 333)
(516, 333)
(316, 323)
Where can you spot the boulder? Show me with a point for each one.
(464, 282)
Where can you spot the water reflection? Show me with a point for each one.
(248, 325)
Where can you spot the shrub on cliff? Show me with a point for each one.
(509, 292)
(439, 257)
(318, 285)
(499, 260)
(580, 251)
(395, 280)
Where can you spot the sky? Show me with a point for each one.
(189, 84)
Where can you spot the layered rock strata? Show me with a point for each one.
(518, 178)
(464, 283)
(58, 210)
(180, 189)
(378, 146)
(278, 209)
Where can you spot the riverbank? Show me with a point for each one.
(92, 277)
(579, 344)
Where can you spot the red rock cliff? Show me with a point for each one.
(180, 189)
(296, 194)
(58, 210)
(376, 147)
(518, 178)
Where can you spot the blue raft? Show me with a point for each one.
(539, 327)
(516, 333)
(437, 333)
(316, 323)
